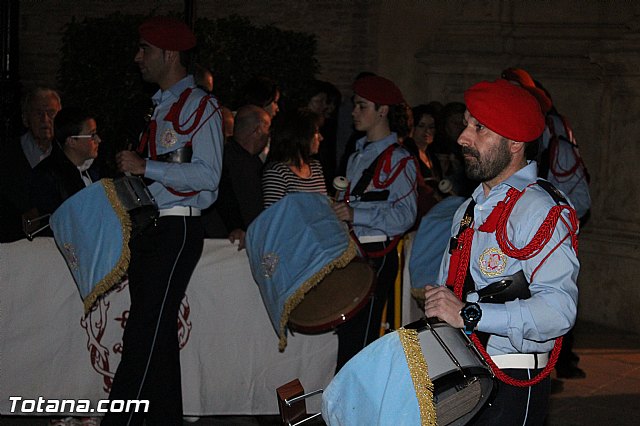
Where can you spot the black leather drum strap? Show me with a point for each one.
(367, 175)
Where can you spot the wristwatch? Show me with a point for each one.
(471, 314)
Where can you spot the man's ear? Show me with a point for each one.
(383, 110)
(171, 55)
(515, 146)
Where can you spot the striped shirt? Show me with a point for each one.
(278, 180)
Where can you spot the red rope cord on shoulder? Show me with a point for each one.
(542, 236)
(173, 117)
(385, 164)
(534, 247)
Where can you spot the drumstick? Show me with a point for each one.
(341, 185)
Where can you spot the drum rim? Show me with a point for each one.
(330, 325)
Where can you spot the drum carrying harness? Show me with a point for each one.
(460, 249)
(173, 116)
(372, 174)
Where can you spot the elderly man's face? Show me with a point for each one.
(39, 117)
(486, 153)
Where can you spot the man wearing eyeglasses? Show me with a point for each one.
(68, 169)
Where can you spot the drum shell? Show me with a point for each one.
(463, 382)
(336, 299)
(137, 201)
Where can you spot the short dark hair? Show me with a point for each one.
(260, 91)
(420, 110)
(68, 122)
(291, 136)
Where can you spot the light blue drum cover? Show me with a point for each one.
(431, 241)
(92, 231)
(386, 383)
(291, 246)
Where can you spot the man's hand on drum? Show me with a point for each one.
(130, 162)
(343, 211)
(440, 302)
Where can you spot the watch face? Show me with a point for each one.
(472, 312)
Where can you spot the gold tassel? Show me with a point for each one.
(120, 269)
(294, 300)
(419, 375)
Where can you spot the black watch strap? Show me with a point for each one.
(471, 314)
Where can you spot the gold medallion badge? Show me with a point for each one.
(492, 262)
(169, 138)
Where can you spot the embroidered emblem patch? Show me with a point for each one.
(70, 255)
(492, 262)
(169, 138)
(269, 264)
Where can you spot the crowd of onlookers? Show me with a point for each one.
(272, 147)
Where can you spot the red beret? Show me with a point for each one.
(378, 90)
(167, 33)
(523, 78)
(507, 109)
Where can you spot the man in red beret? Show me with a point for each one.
(515, 228)
(181, 153)
(381, 205)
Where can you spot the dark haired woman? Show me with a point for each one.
(420, 145)
(290, 168)
(263, 92)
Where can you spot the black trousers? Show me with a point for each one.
(162, 261)
(514, 405)
(364, 327)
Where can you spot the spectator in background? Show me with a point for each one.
(240, 199)
(263, 92)
(421, 145)
(69, 167)
(324, 100)
(39, 108)
(203, 78)
(228, 120)
(294, 139)
(447, 150)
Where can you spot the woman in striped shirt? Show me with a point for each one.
(290, 168)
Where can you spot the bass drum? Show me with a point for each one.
(463, 382)
(387, 382)
(335, 299)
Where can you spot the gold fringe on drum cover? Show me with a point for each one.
(120, 269)
(340, 262)
(419, 375)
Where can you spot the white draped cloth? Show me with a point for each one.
(230, 358)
